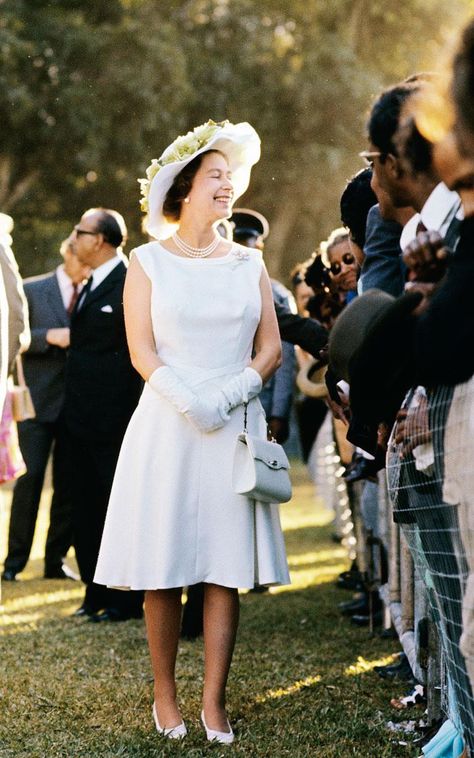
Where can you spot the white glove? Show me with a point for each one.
(204, 413)
(240, 389)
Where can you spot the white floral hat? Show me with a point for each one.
(239, 142)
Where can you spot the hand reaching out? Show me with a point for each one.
(339, 411)
(426, 257)
(278, 429)
(412, 427)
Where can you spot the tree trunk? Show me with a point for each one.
(12, 194)
(355, 26)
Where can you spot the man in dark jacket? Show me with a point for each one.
(102, 391)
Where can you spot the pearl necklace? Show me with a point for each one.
(196, 252)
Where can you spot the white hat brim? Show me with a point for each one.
(240, 143)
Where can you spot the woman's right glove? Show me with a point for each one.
(204, 413)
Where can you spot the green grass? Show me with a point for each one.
(301, 683)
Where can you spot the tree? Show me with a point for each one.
(94, 90)
(80, 86)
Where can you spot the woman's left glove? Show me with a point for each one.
(240, 389)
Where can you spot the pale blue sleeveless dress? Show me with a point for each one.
(173, 518)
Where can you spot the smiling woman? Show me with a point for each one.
(202, 190)
(341, 261)
(202, 332)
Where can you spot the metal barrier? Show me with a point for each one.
(426, 523)
(429, 481)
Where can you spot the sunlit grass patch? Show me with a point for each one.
(42, 599)
(301, 684)
(362, 666)
(310, 681)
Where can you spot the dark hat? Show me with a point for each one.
(249, 223)
(371, 346)
(382, 368)
(351, 327)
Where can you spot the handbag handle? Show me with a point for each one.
(19, 371)
(245, 417)
(245, 424)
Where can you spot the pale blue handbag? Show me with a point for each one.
(261, 469)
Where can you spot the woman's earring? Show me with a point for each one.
(186, 199)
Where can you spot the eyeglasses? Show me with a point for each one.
(368, 157)
(83, 231)
(336, 268)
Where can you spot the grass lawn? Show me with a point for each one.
(301, 684)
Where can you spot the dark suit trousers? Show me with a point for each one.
(93, 468)
(310, 413)
(36, 440)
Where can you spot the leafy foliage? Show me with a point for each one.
(91, 91)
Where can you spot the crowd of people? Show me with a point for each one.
(139, 398)
(399, 378)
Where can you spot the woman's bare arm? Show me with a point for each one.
(138, 324)
(267, 344)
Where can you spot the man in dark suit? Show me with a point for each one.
(51, 298)
(102, 391)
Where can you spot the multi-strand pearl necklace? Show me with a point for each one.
(196, 252)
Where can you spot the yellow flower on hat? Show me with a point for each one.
(207, 130)
(152, 169)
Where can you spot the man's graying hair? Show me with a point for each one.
(108, 225)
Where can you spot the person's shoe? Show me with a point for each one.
(9, 575)
(360, 469)
(364, 619)
(350, 574)
(61, 572)
(398, 657)
(173, 732)
(389, 634)
(113, 614)
(225, 738)
(84, 611)
(401, 671)
(350, 580)
(359, 606)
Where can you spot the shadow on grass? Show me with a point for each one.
(75, 689)
(71, 689)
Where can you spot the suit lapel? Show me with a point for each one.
(115, 277)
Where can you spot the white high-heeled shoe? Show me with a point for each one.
(225, 738)
(173, 732)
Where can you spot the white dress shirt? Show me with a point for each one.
(101, 272)
(66, 286)
(437, 213)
